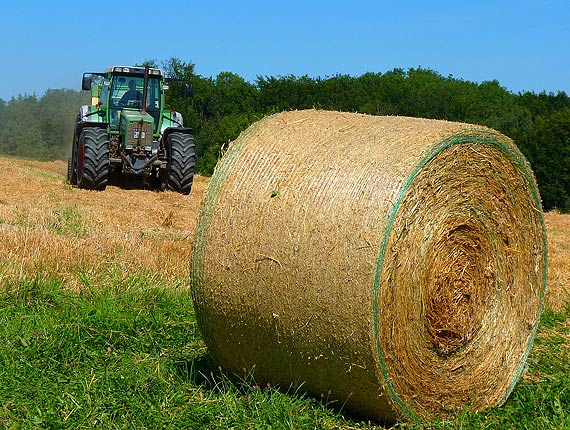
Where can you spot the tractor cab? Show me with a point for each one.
(126, 91)
(124, 88)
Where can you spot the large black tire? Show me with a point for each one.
(180, 161)
(93, 158)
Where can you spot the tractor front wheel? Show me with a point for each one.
(93, 159)
(180, 160)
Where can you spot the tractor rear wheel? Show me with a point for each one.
(93, 158)
(180, 160)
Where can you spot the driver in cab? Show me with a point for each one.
(132, 96)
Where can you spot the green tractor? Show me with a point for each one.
(127, 131)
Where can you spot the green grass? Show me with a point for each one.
(127, 354)
(66, 221)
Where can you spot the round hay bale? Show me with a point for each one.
(395, 265)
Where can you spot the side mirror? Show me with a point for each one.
(86, 83)
(188, 90)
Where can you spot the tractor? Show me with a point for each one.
(128, 131)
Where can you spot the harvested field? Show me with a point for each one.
(47, 225)
(558, 289)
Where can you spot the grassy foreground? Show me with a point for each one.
(125, 353)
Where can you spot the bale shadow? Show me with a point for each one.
(200, 370)
(203, 370)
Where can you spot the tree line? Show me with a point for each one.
(223, 106)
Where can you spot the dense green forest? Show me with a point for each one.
(223, 106)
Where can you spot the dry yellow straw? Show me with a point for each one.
(396, 265)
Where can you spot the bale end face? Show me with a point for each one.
(461, 277)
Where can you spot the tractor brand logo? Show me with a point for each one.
(136, 133)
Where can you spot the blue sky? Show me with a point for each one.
(524, 44)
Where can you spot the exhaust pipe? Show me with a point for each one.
(145, 88)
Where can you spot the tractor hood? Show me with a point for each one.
(136, 116)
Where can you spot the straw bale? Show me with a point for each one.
(394, 265)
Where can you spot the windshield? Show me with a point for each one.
(127, 91)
